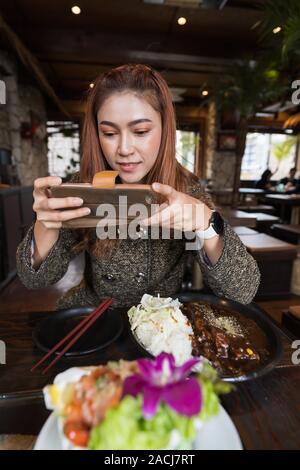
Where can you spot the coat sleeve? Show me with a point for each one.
(235, 275)
(54, 266)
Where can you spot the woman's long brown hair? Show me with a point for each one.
(148, 84)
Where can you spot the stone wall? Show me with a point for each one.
(34, 161)
(8, 75)
(23, 103)
(219, 165)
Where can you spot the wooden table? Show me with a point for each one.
(259, 220)
(264, 222)
(260, 242)
(275, 260)
(261, 208)
(240, 230)
(287, 232)
(265, 411)
(236, 217)
(252, 191)
(284, 201)
(255, 192)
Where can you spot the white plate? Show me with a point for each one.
(219, 433)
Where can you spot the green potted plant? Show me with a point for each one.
(248, 87)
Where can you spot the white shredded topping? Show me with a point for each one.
(226, 323)
(159, 325)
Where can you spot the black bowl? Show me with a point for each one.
(254, 313)
(106, 329)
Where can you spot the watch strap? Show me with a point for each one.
(206, 234)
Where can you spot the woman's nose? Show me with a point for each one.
(125, 147)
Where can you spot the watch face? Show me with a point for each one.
(217, 223)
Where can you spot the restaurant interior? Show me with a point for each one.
(233, 70)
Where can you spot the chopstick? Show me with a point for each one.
(80, 329)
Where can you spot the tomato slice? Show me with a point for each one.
(77, 433)
(73, 412)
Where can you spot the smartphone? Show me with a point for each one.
(119, 204)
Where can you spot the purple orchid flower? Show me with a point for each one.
(161, 380)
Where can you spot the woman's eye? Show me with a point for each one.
(141, 132)
(111, 134)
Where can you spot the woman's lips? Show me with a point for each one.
(129, 166)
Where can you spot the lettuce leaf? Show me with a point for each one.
(125, 428)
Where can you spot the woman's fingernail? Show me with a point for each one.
(87, 210)
(78, 200)
(156, 185)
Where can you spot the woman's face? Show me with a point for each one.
(130, 135)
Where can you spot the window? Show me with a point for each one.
(186, 148)
(274, 151)
(63, 148)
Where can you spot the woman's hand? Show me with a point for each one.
(181, 212)
(48, 209)
(49, 216)
(185, 213)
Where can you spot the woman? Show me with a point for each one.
(130, 127)
(265, 181)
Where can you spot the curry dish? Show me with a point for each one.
(233, 343)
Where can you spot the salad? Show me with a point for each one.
(159, 325)
(138, 405)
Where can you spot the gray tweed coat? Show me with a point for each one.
(141, 266)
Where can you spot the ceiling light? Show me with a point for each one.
(76, 10)
(181, 21)
(204, 93)
(91, 85)
(277, 30)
